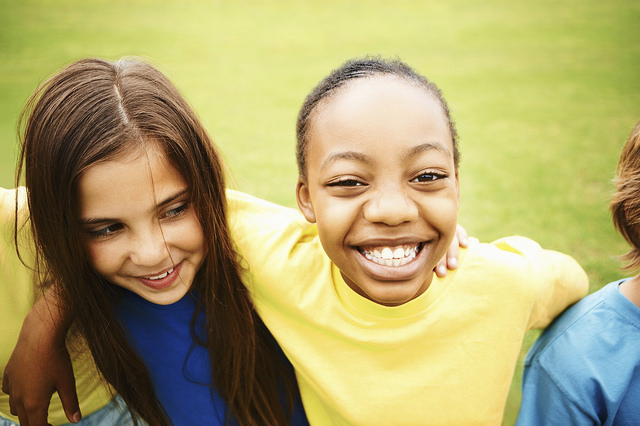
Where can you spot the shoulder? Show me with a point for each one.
(273, 240)
(519, 257)
(240, 203)
(247, 212)
(522, 251)
(586, 319)
(514, 251)
(587, 359)
(259, 225)
(518, 270)
(8, 198)
(593, 329)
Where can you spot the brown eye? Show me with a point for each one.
(429, 177)
(105, 232)
(346, 182)
(178, 211)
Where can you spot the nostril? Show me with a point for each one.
(391, 210)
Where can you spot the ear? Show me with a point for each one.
(304, 201)
(458, 187)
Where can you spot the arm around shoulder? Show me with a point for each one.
(558, 278)
(40, 365)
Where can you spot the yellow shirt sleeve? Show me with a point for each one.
(562, 281)
(17, 294)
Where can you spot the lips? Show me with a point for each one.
(393, 256)
(161, 276)
(162, 280)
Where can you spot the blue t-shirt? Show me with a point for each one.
(179, 368)
(585, 368)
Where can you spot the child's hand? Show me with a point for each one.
(39, 366)
(450, 259)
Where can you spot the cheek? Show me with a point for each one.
(101, 257)
(443, 214)
(335, 217)
(337, 221)
(191, 236)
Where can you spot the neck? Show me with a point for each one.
(631, 289)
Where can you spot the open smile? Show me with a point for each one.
(391, 255)
(162, 280)
(161, 276)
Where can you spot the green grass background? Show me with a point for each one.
(544, 93)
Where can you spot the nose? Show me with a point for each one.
(390, 205)
(149, 246)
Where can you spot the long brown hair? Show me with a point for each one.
(92, 111)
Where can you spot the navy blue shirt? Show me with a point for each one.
(179, 368)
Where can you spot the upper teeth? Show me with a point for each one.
(391, 256)
(161, 276)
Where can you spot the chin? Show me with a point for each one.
(394, 299)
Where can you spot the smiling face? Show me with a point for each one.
(381, 185)
(139, 226)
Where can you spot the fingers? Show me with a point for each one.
(39, 366)
(67, 392)
(449, 261)
(32, 415)
(29, 387)
(452, 257)
(441, 268)
(463, 237)
(29, 412)
(5, 385)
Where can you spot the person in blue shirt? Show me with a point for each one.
(585, 368)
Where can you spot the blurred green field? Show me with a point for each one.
(544, 93)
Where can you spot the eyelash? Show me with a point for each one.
(176, 212)
(433, 176)
(105, 232)
(108, 231)
(346, 182)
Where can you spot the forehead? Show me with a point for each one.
(381, 110)
(128, 182)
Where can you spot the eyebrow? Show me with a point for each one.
(364, 158)
(345, 155)
(170, 199)
(428, 146)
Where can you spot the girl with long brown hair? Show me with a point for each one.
(128, 211)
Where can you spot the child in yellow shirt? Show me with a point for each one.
(350, 294)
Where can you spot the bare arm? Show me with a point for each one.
(40, 365)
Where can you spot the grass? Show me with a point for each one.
(544, 93)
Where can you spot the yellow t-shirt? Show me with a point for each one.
(17, 294)
(444, 358)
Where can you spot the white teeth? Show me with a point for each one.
(161, 276)
(391, 256)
